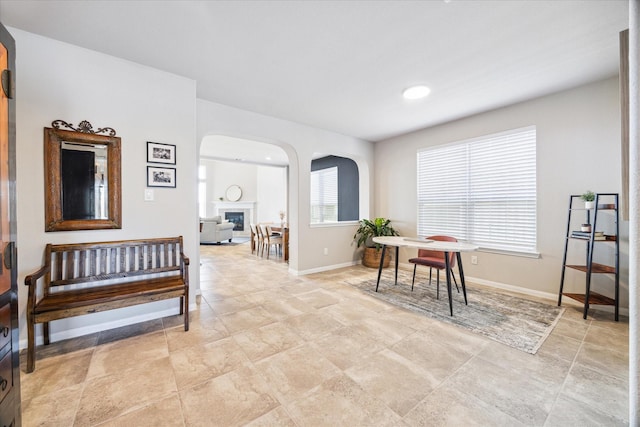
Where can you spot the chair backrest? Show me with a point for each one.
(264, 232)
(273, 235)
(439, 254)
(254, 232)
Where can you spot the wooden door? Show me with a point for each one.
(9, 332)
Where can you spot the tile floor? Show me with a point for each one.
(266, 348)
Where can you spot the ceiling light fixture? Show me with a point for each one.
(416, 92)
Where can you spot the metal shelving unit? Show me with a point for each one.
(603, 202)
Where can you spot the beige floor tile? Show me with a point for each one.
(53, 409)
(571, 412)
(449, 406)
(293, 372)
(267, 340)
(286, 307)
(276, 418)
(604, 336)
(604, 360)
(346, 347)
(397, 381)
(559, 346)
(576, 329)
(164, 413)
(130, 353)
(603, 393)
(56, 374)
(228, 305)
(110, 396)
(384, 328)
(235, 398)
(522, 397)
(319, 298)
(197, 364)
(199, 333)
(340, 401)
(246, 319)
(312, 326)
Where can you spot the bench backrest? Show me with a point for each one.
(91, 262)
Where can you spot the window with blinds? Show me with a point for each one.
(324, 195)
(481, 190)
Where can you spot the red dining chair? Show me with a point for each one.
(435, 259)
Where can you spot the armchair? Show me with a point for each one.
(215, 230)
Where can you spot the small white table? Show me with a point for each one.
(446, 247)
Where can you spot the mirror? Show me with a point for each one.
(234, 192)
(82, 178)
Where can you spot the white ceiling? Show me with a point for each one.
(342, 65)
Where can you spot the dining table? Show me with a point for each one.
(284, 232)
(434, 245)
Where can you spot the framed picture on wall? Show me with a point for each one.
(161, 153)
(161, 177)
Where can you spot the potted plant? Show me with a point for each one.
(367, 230)
(588, 197)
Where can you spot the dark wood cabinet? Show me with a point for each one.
(10, 412)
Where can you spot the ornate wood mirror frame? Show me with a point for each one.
(83, 139)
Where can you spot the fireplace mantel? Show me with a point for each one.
(234, 205)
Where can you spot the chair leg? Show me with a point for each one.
(455, 281)
(414, 276)
(438, 284)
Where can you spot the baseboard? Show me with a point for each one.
(323, 268)
(105, 326)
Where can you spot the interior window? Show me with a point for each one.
(334, 190)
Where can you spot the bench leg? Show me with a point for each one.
(185, 309)
(31, 343)
(45, 330)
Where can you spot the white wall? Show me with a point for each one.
(299, 142)
(55, 80)
(272, 193)
(578, 148)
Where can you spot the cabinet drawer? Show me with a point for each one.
(5, 324)
(6, 380)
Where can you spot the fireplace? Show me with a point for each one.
(247, 209)
(237, 218)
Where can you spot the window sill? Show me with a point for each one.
(334, 224)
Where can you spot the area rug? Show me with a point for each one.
(507, 319)
(235, 241)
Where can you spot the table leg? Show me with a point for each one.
(447, 269)
(464, 289)
(384, 248)
(397, 252)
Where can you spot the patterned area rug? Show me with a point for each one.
(507, 319)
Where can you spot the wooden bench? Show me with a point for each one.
(83, 278)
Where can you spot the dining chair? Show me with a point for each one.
(255, 239)
(435, 259)
(271, 239)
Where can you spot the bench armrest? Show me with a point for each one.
(32, 278)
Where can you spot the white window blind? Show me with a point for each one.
(482, 191)
(324, 195)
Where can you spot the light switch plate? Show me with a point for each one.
(148, 195)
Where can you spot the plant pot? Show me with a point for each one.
(371, 257)
(589, 205)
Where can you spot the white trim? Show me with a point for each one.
(105, 326)
(321, 269)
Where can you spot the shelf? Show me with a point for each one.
(595, 268)
(594, 298)
(589, 267)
